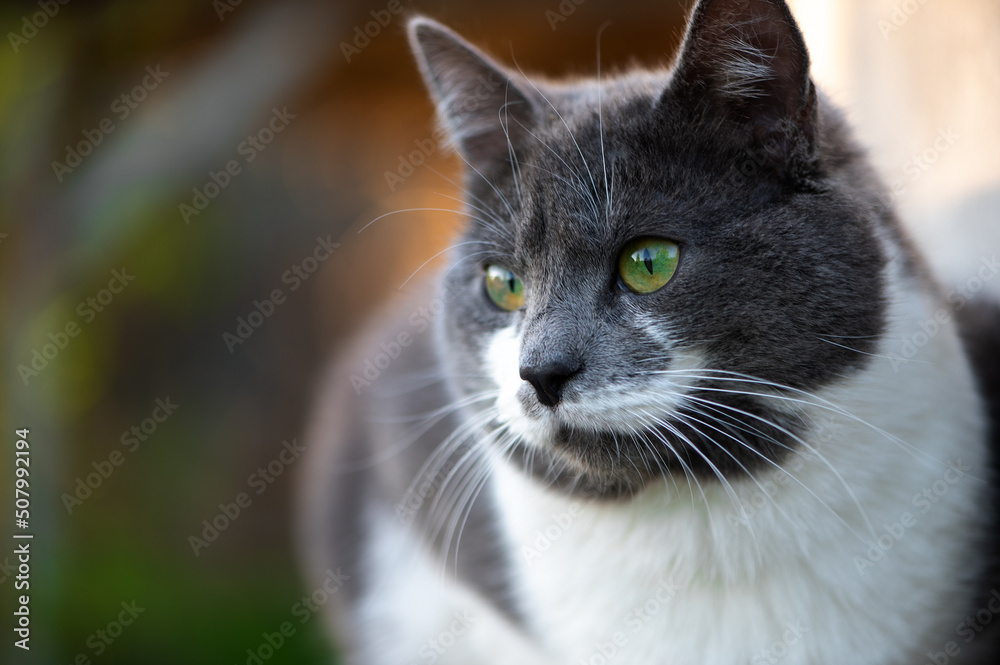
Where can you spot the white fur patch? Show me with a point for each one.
(415, 612)
(503, 362)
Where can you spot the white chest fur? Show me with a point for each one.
(854, 554)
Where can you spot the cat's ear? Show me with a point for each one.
(486, 111)
(748, 58)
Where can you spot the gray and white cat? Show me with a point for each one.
(692, 396)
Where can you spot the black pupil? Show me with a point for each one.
(647, 258)
(511, 280)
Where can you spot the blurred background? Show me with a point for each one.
(185, 193)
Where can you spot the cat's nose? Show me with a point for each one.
(549, 378)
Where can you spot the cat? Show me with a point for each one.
(685, 393)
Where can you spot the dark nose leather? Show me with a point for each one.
(548, 378)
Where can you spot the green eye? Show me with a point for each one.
(504, 288)
(646, 264)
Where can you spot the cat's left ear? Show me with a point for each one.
(748, 59)
(487, 112)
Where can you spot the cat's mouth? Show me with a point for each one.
(708, 435)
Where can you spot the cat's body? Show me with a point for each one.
(742, 465)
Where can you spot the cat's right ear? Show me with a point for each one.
(748, 59)
(486, 112)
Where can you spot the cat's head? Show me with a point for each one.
(648, 253)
